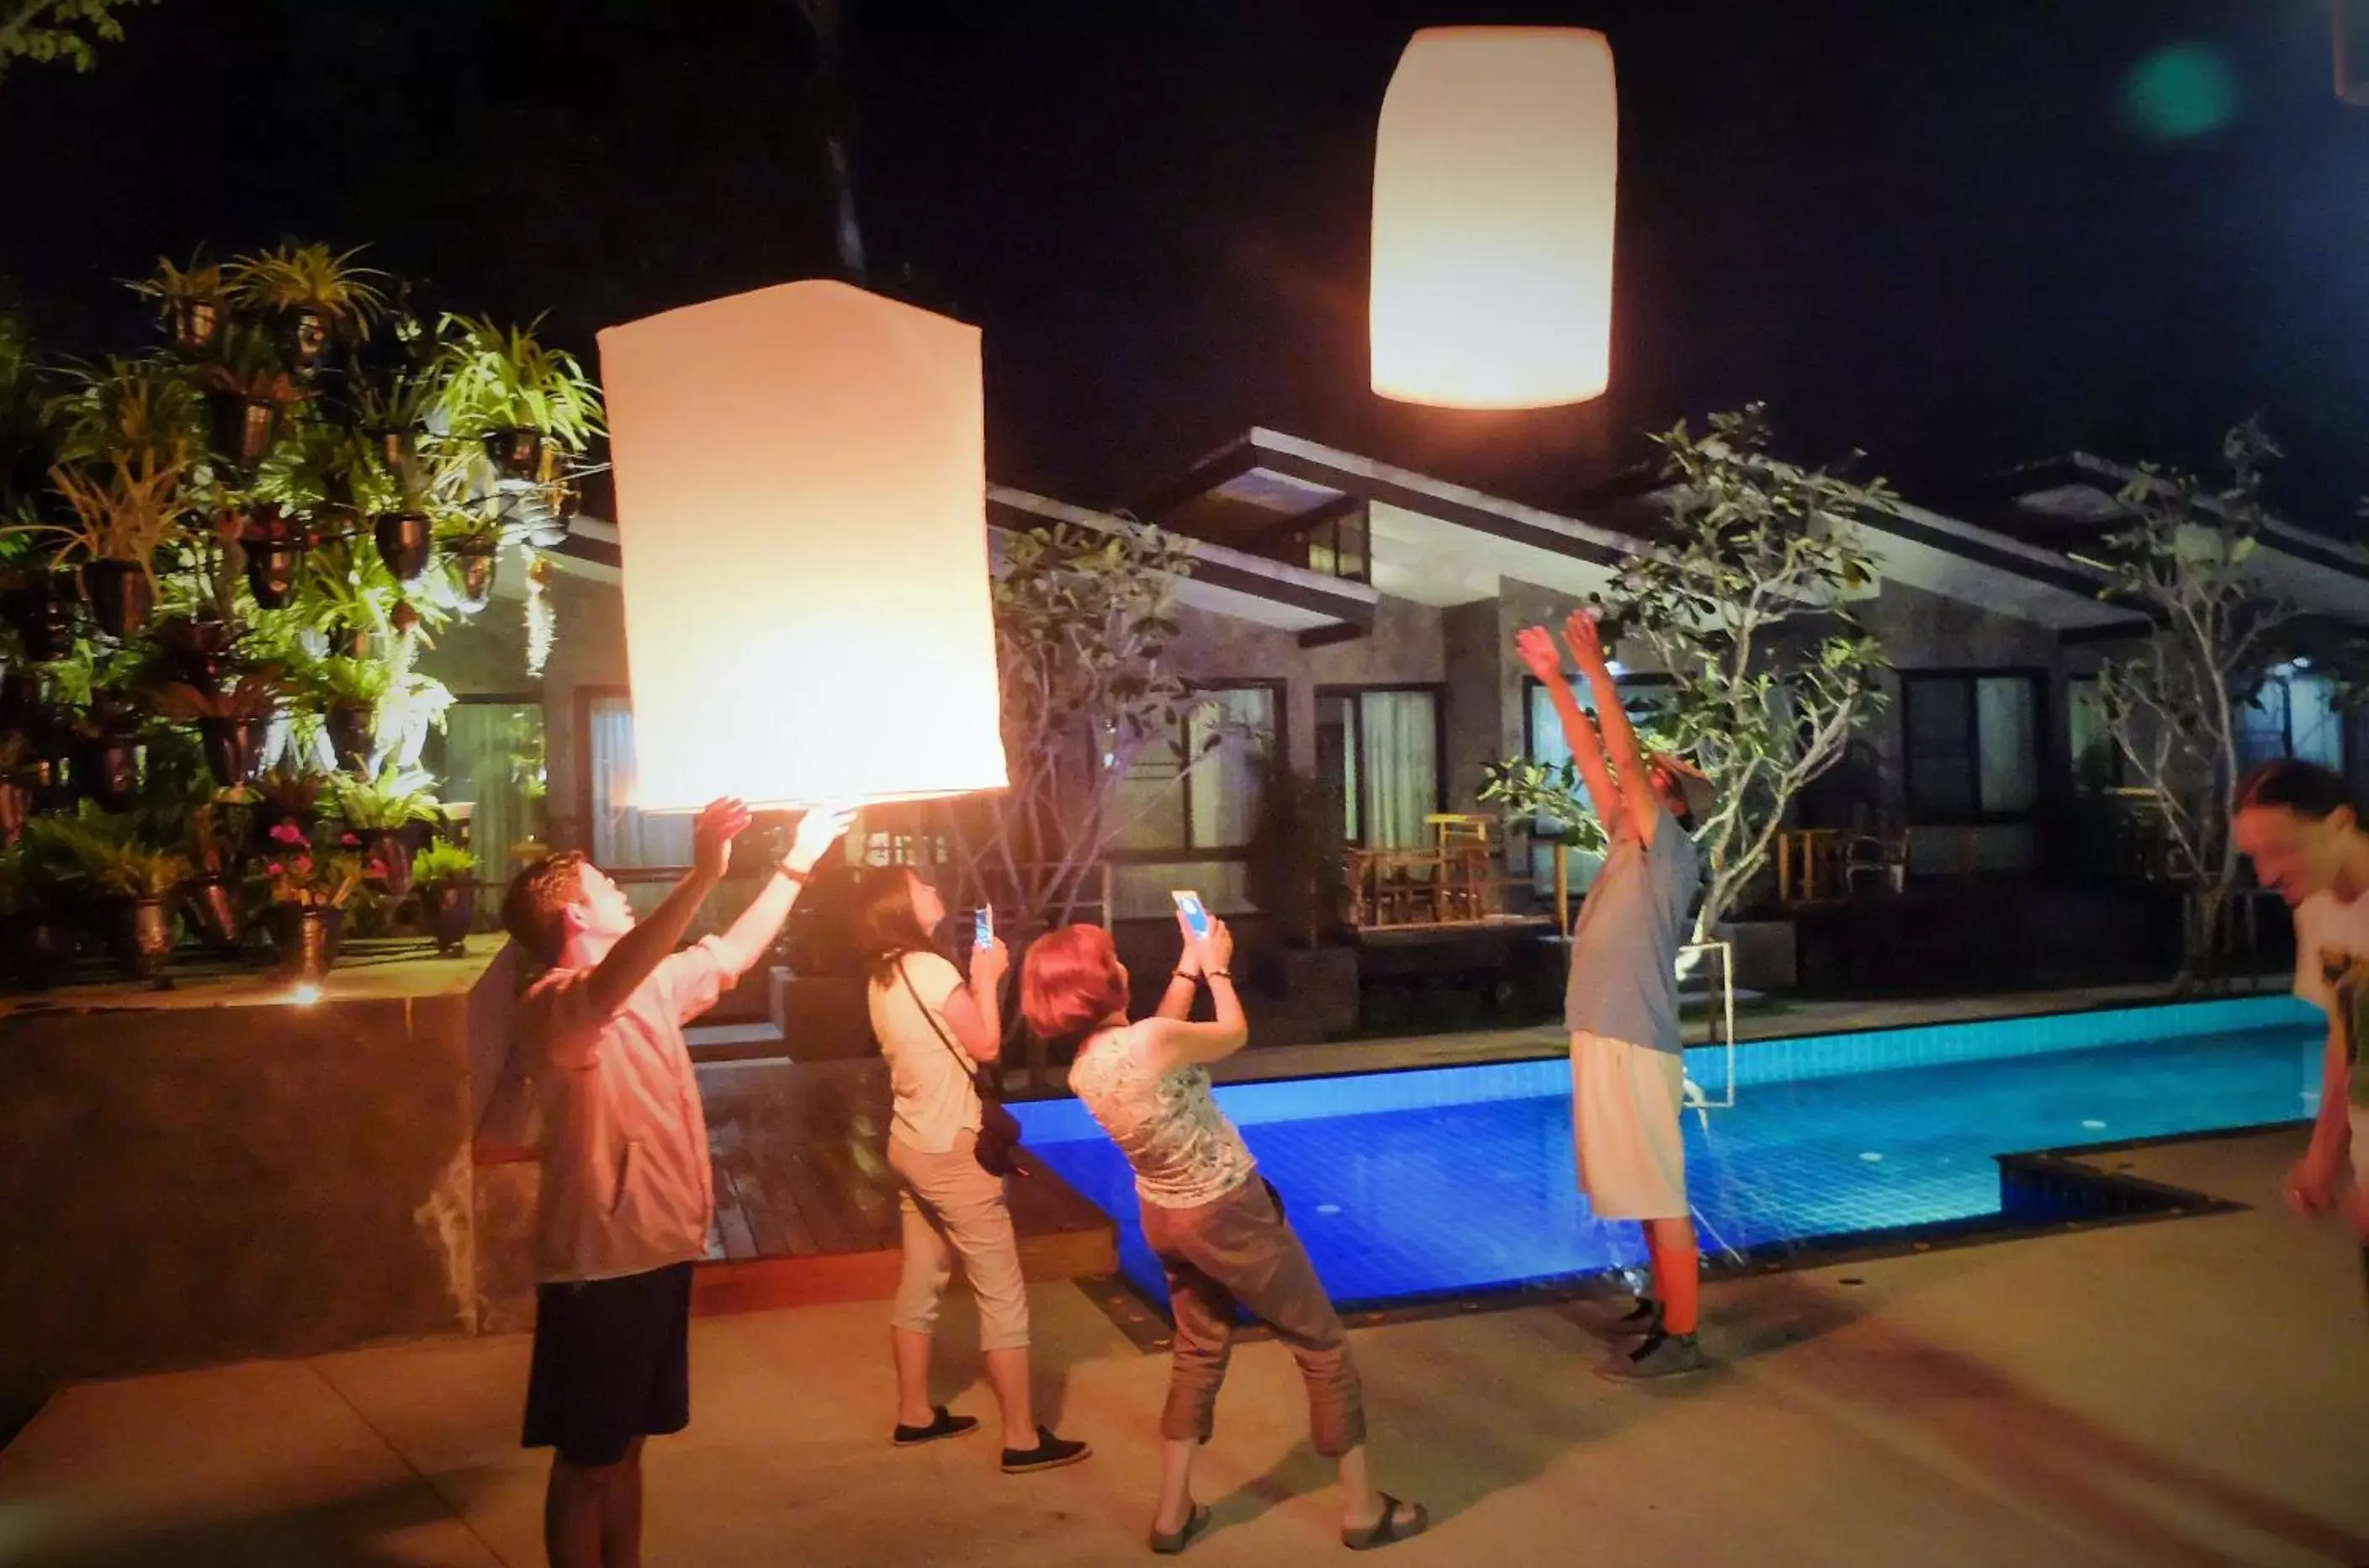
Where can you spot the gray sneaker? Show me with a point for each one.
(1640, 1321)
(1661, 1355)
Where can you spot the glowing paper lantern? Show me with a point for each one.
(1493, 177)
(802, 516)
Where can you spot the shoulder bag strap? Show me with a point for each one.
(970, 1066)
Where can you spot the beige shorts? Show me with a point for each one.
(1625, 1101)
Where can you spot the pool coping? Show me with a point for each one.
(2122, 1199)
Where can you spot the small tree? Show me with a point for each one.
(1083, 621)
(1743, 601)
(70, 30)
(2173, 708)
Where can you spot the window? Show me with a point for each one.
(621, 835)
(490, 757)
(2294, 714)
(1339, 548)
(1641, 695)
(1383, 744)
(1972, 744)
(1161, 805)
(2097, 760)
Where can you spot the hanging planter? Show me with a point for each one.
(107, 772)
(122, 596)
(144, 932)
(42, 617)
(407, 542)
(308, 339)
(516, 453)
(273, 568)
(193, 324)
(449, 910)
(216, 915)
(233, 748)
(243, 426)
(352, 734)
(306, 937)
(473, 570)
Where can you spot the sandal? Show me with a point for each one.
(1170, 1542)
(1391, 1527)
(943, 1424)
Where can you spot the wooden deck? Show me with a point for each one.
(806, 1206)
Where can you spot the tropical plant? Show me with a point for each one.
(200, 281)
(128, 516)
(395, 798)
(1745, 601)
(43, 31)
(498, 380)
(302, 870)
(293, 277)
(105, 853)
(254, 694)
(442, 865)
(245, 363)
(1083, 624)
(290, 789)
(2175, 707)
(123, 408)
(343, 680)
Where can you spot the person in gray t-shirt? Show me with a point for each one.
(1628, 1074)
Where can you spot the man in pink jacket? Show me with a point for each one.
(627, 1189)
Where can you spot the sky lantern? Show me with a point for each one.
(1493, 176)
(801, 510)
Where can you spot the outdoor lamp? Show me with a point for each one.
(1493, 176)
(801, 519)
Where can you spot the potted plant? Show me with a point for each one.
(446, 877)
(190, 304)
(120, 522)
(134, 883)
(274, 545)
(407, 542)
(233, 722)
(289, 794)
(352, 690)
(472, 542)
(39, 608)
(107, 753)
(246, 388)
(378, 811)
(35, 945)
(314, 290)
(523, 401)
(308, 885)
(211, 896)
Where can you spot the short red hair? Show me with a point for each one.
(1070, 981)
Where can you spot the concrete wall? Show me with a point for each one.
(194, 1183)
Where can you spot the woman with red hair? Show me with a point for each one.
(1218, 1233)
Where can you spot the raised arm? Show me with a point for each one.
(1176, 1001)
(975, 1010)
(1536, 646)
(1641, 807)
(643, 949)
(740, 948)
(1173, 1042)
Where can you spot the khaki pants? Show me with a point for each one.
(953, 1207)
(1238, 1253)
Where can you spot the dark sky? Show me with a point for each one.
(1943, 233)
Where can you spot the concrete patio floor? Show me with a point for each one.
(2191, 1391)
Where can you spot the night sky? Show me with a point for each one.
(1956, 236)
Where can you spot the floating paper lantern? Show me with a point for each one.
(1493, 177)
(801, 515)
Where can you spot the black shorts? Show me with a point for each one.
(611, 1363)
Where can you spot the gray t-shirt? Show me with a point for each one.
(1624, 951)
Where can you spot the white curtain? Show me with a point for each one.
(1399, 766)
(621, 835)
(1225, 786)
(2007, 721)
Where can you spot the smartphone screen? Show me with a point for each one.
(1196, 917)
(982, 927)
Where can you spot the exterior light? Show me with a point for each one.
(802, 519)
(305, 995)
(1494, 182)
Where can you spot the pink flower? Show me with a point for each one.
(302, 865)
(288, 833)
(350, 840)
(277, 869)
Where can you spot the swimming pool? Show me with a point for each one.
(1449, 1180)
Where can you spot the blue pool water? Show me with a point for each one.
(1436, 1181)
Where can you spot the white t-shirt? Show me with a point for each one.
(2332, 974)
(929, 1072)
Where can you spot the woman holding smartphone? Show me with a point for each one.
(1214, 1223)
(934, 1027)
